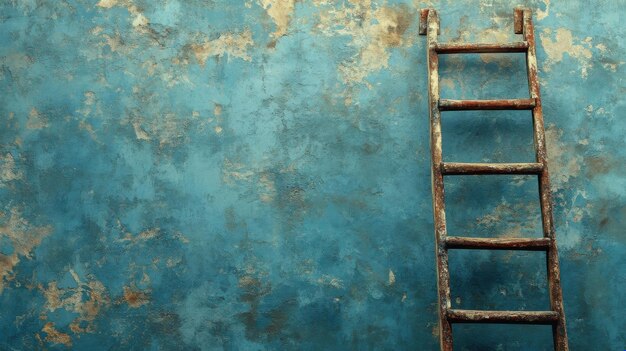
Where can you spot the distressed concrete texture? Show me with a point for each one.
(254, 175)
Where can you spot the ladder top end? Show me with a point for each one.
(519, 14)
(423, 29)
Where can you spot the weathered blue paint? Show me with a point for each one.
(255, 175)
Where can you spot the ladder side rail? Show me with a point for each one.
(545, 195)
(439, 217)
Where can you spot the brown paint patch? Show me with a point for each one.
(563, 160)
(263, 180)
(233, 172)
(36, 120)
(519, 219)
(392, 278)
(231, 44)
(135, 298)
(56, 337)
(565, 43)
(374, 30)
(8, 170)
(145, 235)
(89, 129)
(267, 187)
(107, 4)
(168, 129)
(87, 300)
(597, 165)
(395, 22)
(89, 103)
(217, 110)
(24, 238)
(327, 280)
(140, 133)
(139, 21)
(541, 14)
(249, 282)
(148, 234)
(253, 289)
(117, 44)
(280, 11)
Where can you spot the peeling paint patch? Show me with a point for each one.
(217, 110)
(541, 14)
(147, 234)
(447, 83)
(491, 35)
(87, 299)
(570, 239)
(611, 65)
(563, 161)
(563, 43)
(518, 217)
(56, 337)
(267, 191)
(262, 180)
(139, 21)
(36, 120)
(167, 128)
(135, 298)
(231, 44)
(107, 4)
(280, 11)
(140, 133)
(8, 170)
(373, 30)
(89, 128)
(23, 236)
(117, 44)
(234, 171)
(330, 281)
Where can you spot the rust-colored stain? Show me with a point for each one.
(135, 298)
(56, 337)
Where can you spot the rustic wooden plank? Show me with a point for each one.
(461, 168)
(501, 104)
(527, 244)
(504, 317)
(480, 48)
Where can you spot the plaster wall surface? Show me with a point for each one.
(254, 175)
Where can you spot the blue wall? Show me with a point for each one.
(254, 175)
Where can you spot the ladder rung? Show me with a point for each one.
(476, 48)
(528, 244)
(512, 317)
(458, 168)
(505, 104)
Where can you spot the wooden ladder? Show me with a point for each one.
(429, 25)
